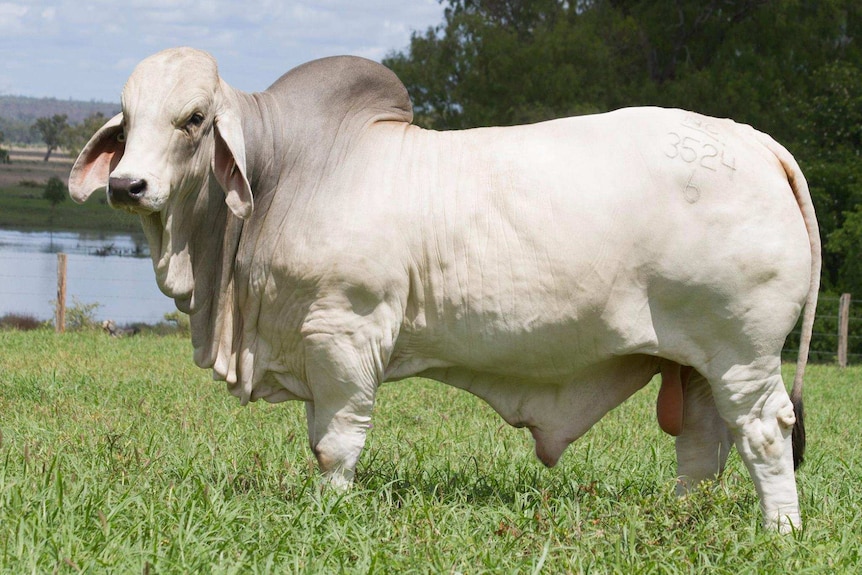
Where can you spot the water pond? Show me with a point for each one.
(113, 271)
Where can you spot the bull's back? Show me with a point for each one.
(544, 246)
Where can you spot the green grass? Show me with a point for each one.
(120, 456)
(22, 207)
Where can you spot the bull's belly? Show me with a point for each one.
(534, 353)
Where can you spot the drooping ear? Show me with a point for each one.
(229, 164)
(96, 161)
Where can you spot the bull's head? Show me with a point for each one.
(178, 130)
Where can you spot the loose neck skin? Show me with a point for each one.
(261, 121)
(216, 241)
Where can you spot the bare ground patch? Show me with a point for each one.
(27, 164)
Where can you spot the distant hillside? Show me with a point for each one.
(18, 113)
(23, 109)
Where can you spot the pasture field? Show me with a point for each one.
(121, 456)
(22, 184)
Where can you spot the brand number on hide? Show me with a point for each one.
(693, 150)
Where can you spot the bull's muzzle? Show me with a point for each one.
(126, 191)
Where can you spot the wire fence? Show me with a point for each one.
(828, 332)
(125, 291)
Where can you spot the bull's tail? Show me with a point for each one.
(803, 198)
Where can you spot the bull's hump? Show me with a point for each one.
(340, 86)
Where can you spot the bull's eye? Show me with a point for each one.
(195, 121)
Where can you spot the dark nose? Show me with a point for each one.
(126, 190)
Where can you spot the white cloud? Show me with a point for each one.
(11, 15)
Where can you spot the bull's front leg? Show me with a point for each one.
(343, 389)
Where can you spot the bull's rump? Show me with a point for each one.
(555, 246)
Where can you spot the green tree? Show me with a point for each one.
(515, 61)
(52, 131)
(55, 192)
(76, 136)
(831, 120)
(4, 155)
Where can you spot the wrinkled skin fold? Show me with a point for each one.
(323, 245)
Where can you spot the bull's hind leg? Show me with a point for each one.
(753, 402)
(704, 443)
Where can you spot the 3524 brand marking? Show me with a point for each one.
(699, 143)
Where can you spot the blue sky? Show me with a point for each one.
(85, 49)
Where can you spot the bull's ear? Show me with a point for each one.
(97, 159)
(229, 164)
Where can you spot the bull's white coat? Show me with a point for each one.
(323, 245)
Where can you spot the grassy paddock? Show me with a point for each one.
(118, 455)
(22, 184)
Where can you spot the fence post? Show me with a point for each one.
(61, 293)
(843, 328)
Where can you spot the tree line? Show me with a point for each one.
(19, 113)
(56, 132)
(791, 68)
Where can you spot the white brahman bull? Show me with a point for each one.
(323, 245)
